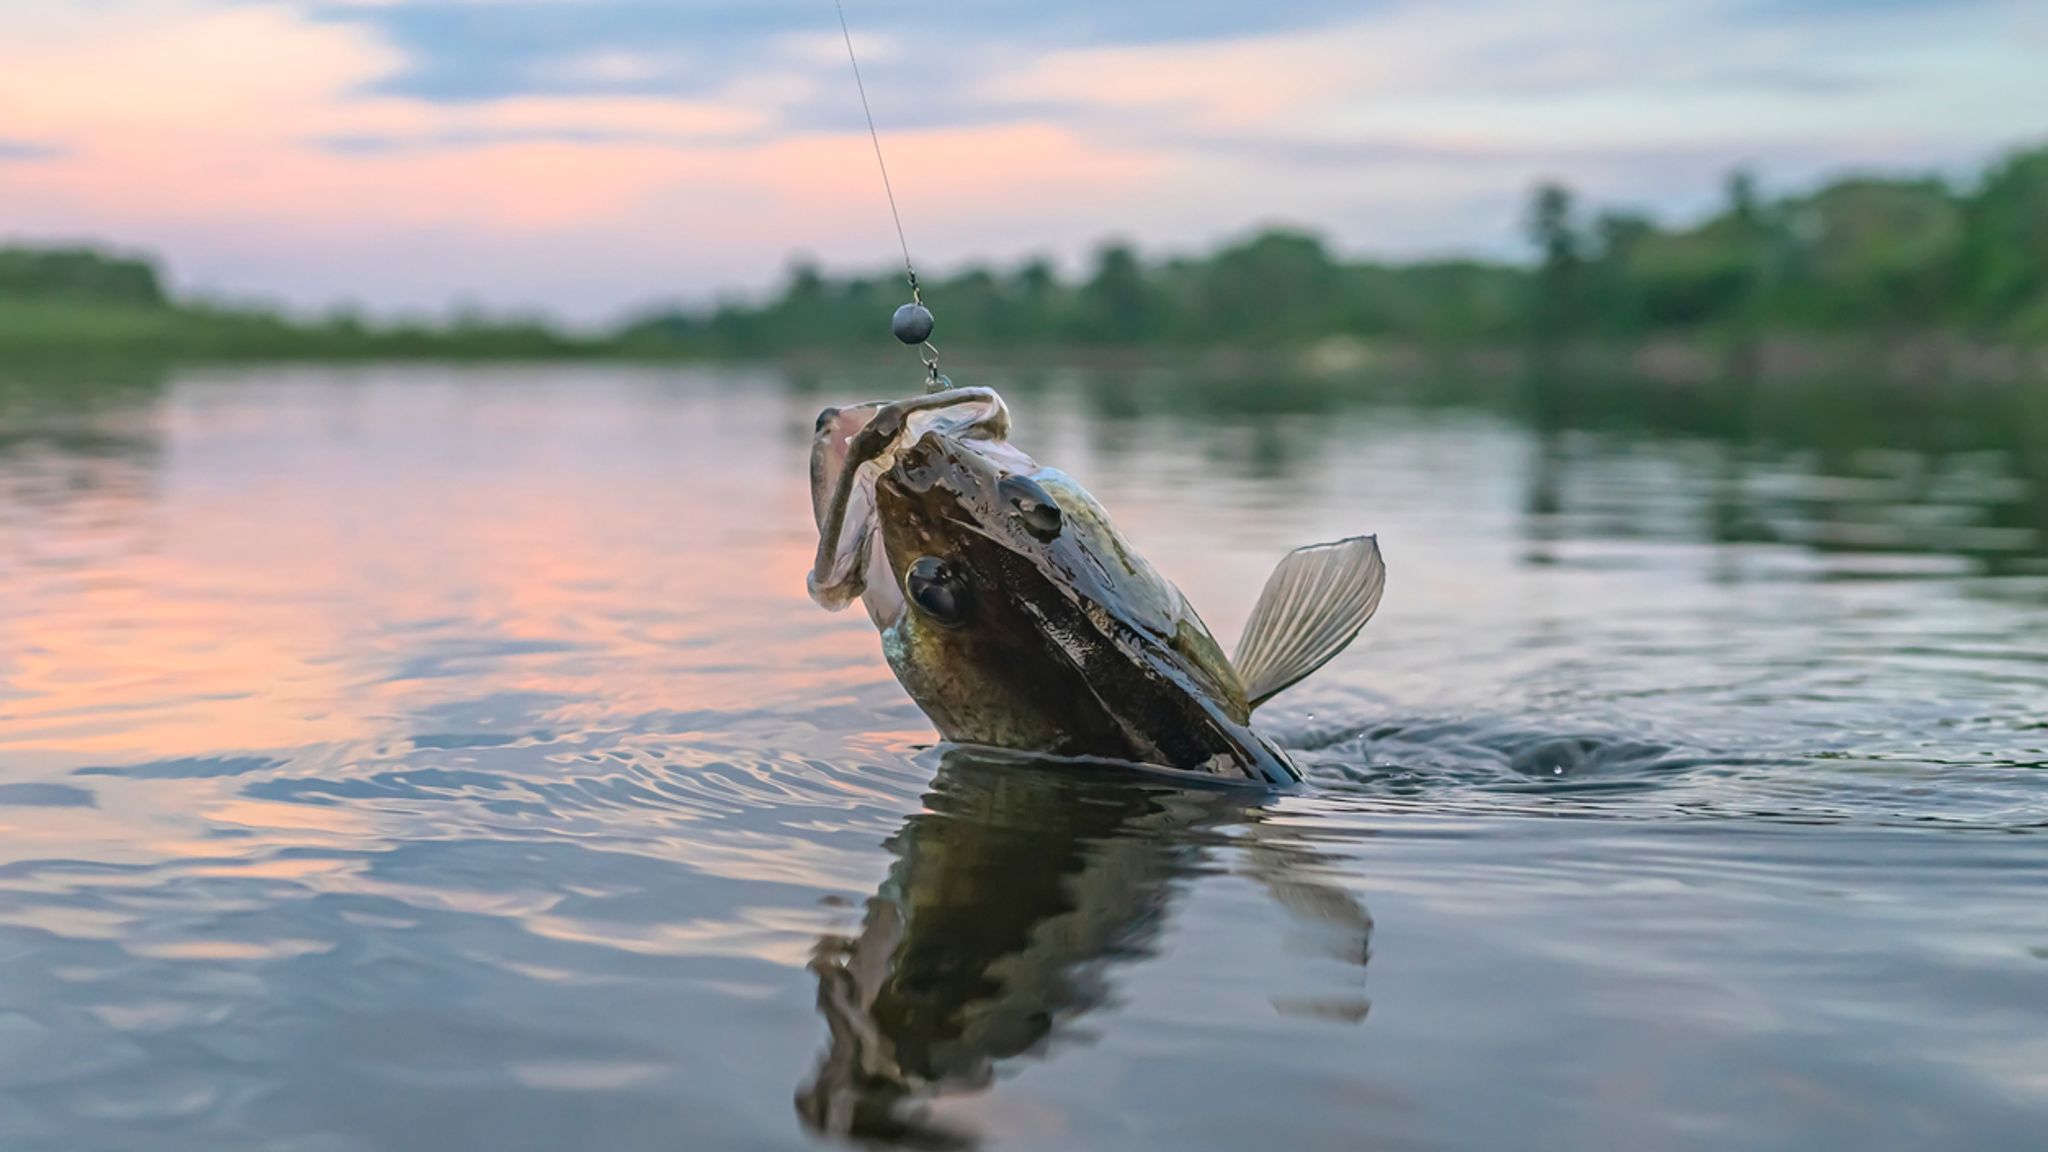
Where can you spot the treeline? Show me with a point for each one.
(1858, 254)
(1919, 257)
(68, 301)
(79, 274)
(1280, 285)
(1863, 254)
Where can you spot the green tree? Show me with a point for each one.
(2003, 262)
(1553, 228)
(80, 274)
(1279, 285)
(1118, 304)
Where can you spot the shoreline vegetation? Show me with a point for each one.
(1907, 277)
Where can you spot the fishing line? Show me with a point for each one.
(876, 137)
(913, 322)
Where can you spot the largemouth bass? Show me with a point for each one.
(1017, 616)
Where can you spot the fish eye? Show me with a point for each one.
(939, 590)
(1034, 505)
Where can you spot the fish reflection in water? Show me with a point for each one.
(1014, 897)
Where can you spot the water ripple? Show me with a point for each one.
(483, 777)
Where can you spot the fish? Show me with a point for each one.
(1016, 615)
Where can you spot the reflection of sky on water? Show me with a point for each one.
(233, 611)
(464, 743)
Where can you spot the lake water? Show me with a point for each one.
(446, 759)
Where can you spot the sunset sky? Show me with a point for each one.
(585, 156)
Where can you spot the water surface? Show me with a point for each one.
(420, 758)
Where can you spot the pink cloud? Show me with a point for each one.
(260, 150)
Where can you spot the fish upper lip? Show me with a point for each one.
(930, 463)
(929, 451)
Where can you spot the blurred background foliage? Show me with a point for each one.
(1914, 256)
(1910, 255)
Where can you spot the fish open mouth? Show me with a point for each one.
(852, 449)
(834, 436)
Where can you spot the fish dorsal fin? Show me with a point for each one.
(1313, 604)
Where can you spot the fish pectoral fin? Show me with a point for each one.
(1313, 604)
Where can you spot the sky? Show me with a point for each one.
(587, 158)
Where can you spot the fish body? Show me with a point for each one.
(1017, 616)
